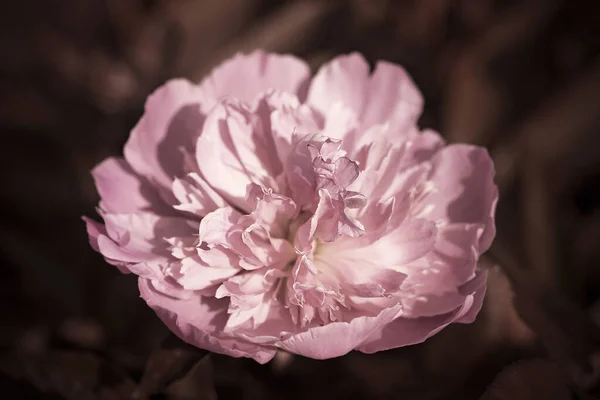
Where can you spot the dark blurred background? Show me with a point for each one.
(521, 77)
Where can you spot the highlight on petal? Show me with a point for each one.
(236, 149)
(337, 338)
(246, 76)
(263, 211)
(387, 96)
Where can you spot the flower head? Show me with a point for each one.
(263, 210)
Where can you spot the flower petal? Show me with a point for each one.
(388, 96)
(411, 241)
(246, 76)
(345, 79)
(171, 124)
(94, 229)
(393, 97)
(337, 338)
(463, 179)
(194, 273)
(195, 195)
(199, 321)
(123, 191)
(215, 226)
(408, 331)
(236, 148)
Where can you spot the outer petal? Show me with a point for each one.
(216, 225)
(408, 331)
(404, 331)
(463, 179)
(123, 191)
(245, 76)
(94, 229)
(200, 321)
(345, 79)
(171, 124)
(337, 338)
(477, 287)
(136, 242)
(99, 240)
(421, 148)
(388, 96)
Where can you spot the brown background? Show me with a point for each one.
(521, 77)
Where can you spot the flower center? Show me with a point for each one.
(282, 242)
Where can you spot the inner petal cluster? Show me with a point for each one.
(278, 242)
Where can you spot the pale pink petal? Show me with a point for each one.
(388, 96)
(463, 178)
(393, 97)
(94, 229)
(124, 254)
(236, 148)
(123, 191)
(195, 195)
(289, 121)
(170, 126)
(272, 211)
(476, 288)
(216, 225)
(341, 122)
(246, 76)
(199, 321)
(421, 148)
(408, 331)
(145, 233)
(337, 338)
(411, 241)
(193, 273)
(344, 80)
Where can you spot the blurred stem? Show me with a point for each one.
(168, 363)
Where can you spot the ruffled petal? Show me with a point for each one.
(216, 225)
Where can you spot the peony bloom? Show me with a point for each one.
(263, 210)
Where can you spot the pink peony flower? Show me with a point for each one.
(263, 210)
